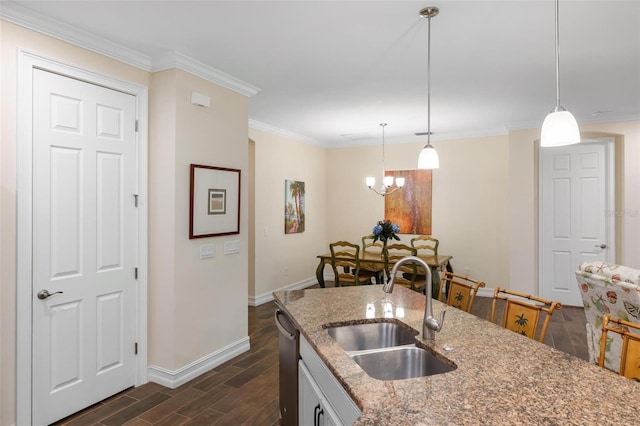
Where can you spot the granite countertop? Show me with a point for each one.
(501, 376)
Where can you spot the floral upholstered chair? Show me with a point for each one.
(612, 289)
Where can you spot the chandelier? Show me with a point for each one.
(387, 181)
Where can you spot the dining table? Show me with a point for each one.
(375, 261)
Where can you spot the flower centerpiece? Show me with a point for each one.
(385, 230)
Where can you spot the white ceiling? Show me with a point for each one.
(331, 68)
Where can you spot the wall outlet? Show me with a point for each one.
(467, 271)
(207, 251)
(232, 247)
(286, 271)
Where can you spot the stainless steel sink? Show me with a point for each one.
(359, 337)
(404, 362)
(387, 350)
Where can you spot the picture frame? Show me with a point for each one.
(294, 206)
(410, 207)
(214, 201)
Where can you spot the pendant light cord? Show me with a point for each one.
(557, 56)
(383, 126)
(429, 80)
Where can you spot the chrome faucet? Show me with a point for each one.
(429, 325)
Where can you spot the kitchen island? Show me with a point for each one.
(501, 377)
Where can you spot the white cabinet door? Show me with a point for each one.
(313, 408)
(309, 398)
(328, 416)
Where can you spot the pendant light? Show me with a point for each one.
(387, 181)
(559, 127)
(428, 158)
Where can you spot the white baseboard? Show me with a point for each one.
(268, 297)
(173, 379)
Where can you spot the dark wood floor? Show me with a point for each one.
(244, 391)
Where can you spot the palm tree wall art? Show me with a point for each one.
(294, 216)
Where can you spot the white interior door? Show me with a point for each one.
(574, 222)
(84, 244)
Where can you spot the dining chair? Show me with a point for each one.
(461, 290)
(373, 270)
(630, 354)
(408, 273)
(346, 255)
(521, 316)
(425, 244)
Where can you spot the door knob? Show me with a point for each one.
(43, 294)
(602, 246)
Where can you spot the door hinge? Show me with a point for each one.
(135, 273)
(136, 125)
(135, 200)
(135, 348)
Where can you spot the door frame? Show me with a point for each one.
(24, 252)
(609, 144)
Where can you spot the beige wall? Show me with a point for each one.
(471, 182)
(162, 201)
(207, 298)
(286, 259)
(210, 296)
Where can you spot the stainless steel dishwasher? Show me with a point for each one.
(288, 362)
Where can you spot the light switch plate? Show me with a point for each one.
(232, 247)
(207, 251)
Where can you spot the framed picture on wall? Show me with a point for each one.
(294, 216)
(214, 201)
(410, 207)
(217, 201)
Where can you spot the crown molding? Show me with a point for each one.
(181, 61)
(43, 24)
(258, 125)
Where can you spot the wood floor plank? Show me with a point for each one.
(98, 412)
(171, 405)
(267, 415)
(207, 417)
(173, 419)
(137, 422)
(198, 405)
(220, 377)
(135, 409)
(142, 392)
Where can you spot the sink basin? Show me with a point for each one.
(399, 363)
(387, 351)
(359, 337)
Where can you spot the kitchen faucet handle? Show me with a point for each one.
(434, 324)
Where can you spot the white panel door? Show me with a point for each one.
(84, 251)
(573, 216)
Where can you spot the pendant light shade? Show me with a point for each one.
(428, 158)
(559, 127)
